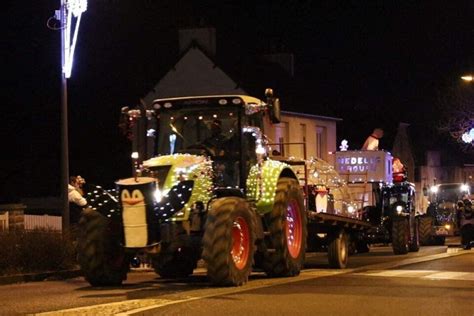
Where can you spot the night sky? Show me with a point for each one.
(371, 63)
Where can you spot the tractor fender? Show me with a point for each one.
(262, 183)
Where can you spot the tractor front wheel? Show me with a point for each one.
(229, 241)
(400, 236)
(99, 253)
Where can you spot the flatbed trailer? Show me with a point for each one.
(338, 232)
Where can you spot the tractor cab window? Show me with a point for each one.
(208, 131)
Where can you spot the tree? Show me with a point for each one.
(456, 109)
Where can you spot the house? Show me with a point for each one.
(198, 73)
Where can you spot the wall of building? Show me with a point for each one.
(319, 135)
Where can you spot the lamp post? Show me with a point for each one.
(467, 78)
(68, 10)
(64, 123)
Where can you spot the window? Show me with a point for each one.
(321, 150)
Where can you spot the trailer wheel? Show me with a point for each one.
(425, 224)
(229, 242)
(415, 239)
(174, 263)
(287, 227)
(400, 236)
(338, 250)
(99, 253)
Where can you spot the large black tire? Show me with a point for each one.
(415, 237)
(287, 229)
(338, 249)
(229, 241)
(425, 226)
(440, 240)
(100, 255)
(400, 236)
(175, 261)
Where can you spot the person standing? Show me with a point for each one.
(76, 201)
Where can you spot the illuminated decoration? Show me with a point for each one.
(259, 139)
(262, 182)
(434, 189)
(323, 176)
(185, 167)
(172, 143)
(464, 188)
(365, 166)
(71, 8)
(468, 137)
(151, 132)
(321, 200)
(252, 108)
(399, 171)
(344, 145)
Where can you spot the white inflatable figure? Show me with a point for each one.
(372, 142)
(134, 218)
(321, 200)
(344, 145)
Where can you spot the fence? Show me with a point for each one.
(43, 221)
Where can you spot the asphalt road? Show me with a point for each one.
(377, 283)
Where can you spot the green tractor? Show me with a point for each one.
(203, 188)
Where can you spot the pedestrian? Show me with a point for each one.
(76, 201)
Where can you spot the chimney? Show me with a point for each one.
(205, 37)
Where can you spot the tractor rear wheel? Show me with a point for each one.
(99, 253)
(287, 231)
(400, 236)
(229, 241)
(425, 224)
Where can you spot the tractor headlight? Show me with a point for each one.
(399, 209)
(434, 189)
(158, 194)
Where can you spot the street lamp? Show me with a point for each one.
(69, 11)
(467, 78)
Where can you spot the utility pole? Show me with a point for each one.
(67, 10)
(64, 120)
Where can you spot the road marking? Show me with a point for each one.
(423, 274)
(144, 307)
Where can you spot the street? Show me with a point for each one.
(438, 280)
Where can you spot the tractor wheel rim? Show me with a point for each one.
(240, 242)
(293, 229)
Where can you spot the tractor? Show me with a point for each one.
(203, 187)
